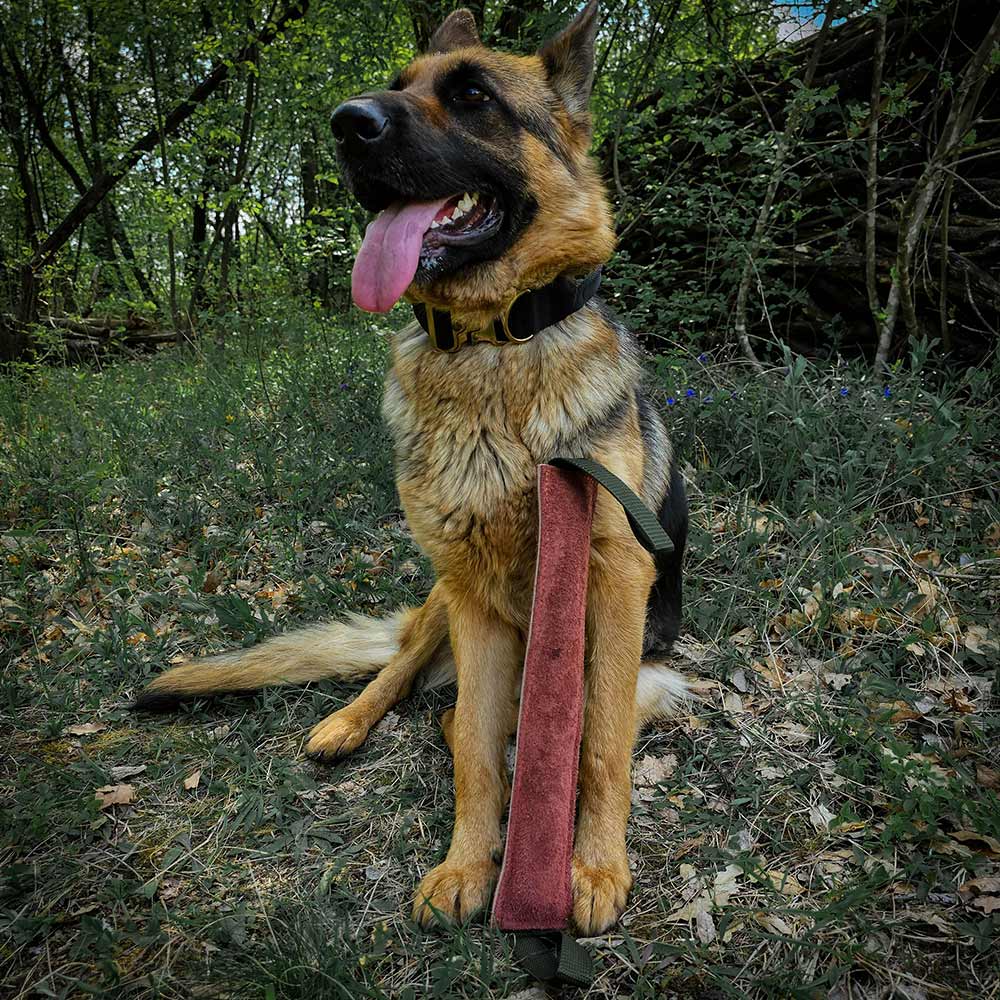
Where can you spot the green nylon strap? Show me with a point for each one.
(554, 957)
(645, 526)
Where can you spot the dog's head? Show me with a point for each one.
(477, 165)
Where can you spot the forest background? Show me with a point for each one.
(807, 199)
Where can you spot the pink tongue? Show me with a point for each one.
(390, 252)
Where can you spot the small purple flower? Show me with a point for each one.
(844, 391)
(671, 400)
(689, 393)
(707, 399)
(344, 385)
(703, 358)
(887, 392)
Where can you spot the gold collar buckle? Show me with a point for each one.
(505, 319)
(499, 332)
(458, 338)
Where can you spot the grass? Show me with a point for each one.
(805, 832)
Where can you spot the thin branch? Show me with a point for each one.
(784, 146)
(871, 176)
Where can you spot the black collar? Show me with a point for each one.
(528, 312)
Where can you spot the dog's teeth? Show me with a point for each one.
(435, 224)
(466, 203)
(474, 197)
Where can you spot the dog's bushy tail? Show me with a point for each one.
(350, 649)
(660, 692)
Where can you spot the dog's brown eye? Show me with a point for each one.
(471, 94)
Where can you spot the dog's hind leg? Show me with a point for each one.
(424, 632)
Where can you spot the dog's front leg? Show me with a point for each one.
(488, 656)
(347, 728)
(620, 577)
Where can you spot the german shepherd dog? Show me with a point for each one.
(477, 163)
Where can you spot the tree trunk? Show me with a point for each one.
(318, 278)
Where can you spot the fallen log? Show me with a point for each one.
(107, 333)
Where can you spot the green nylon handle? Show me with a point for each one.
(646, 528)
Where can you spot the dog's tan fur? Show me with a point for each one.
(470, 430)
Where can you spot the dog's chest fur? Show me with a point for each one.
(470, 429)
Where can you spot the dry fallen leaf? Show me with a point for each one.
(732, 703)
(127, 771)
(769, 773)
(981, 641)
(774, 924)
(348, 789)
(982, 893)
(899, 711)
(988, 778)
(704, 927)
(787, 885)
(793, 732)
(984, 885)
(704, 900)
(389, 724)
(925, 600)
(980, 842)
(772, 669)
(115, 795)
(193, 780)
(931, 918)
(85, 729)
(653, 770)
(988, 904)
(820, 816)
(837, 681)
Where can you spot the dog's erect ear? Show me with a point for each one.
(457, 31)
(569, 62)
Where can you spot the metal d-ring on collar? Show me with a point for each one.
(527, 313)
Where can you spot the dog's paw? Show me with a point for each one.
(336, 736)
(599, 895)
(453, 893)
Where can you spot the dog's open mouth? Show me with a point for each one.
(412, 234)
(464, 218)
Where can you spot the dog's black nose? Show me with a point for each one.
(360, 121)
